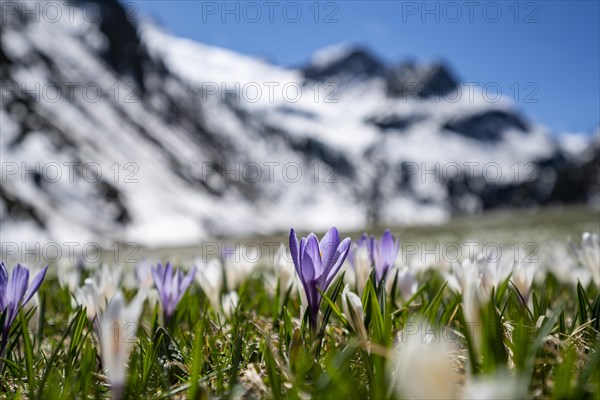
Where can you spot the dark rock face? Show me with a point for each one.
(575, 181)
(357, 64)
(552, 181)
(19, 209)
(487, 126)
(409, 79)
(125, 52)
(394, 122)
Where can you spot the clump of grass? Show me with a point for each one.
(548, 345)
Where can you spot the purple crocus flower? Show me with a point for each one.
(384, 253)
(15, 292)
(317, 263)
(171, 286)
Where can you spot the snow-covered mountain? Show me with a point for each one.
(113, 131)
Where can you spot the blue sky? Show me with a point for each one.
(544, 55)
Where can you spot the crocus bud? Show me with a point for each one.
(210, 279)
(229, 303)
(354, 313)
(522, 278)
(117, 332)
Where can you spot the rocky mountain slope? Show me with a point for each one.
(114, 131)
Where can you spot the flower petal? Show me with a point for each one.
(3, 275)
(159, 277)
(3, 284)
(294, 248)
(17, 285)
(328, 247)
(35, 284)
(308, 279)
(313, 251)
(387, 246)
(185, 283)
(341, 254)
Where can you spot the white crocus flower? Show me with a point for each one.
(143, 275)
(69, 277)
(500, 385)
(87, 296)
(482, 274)
(406, 282)
(239, 265)
(145, 283)
(362, 268)
(590, 254)
(117, 327)
(229, 303)
(284, 270)
(492, 273)
(354, 313)
(422, 364)
(98, 289)
(522, 278)
(107, 281)
(462, 275)
(270, 282)
(562, 265)
(472, 301)
(210, 279)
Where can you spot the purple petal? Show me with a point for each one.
(3, 275)
(363, 239)
(313, 251)
(35, 284)
(308, 267)
(294, 248)
(11, 313)
(158, 276)
(328, 246)
(341, 254)
(308, 281)
(299, 269)
(303, 242)
(179, 275)
(3, 284)
(17, 285)
(387, 246)
(168, 277)
(160, 269)
(170, 287)
(385, 253)
(372, 249)
(186, 282)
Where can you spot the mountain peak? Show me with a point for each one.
(410, 78)
(343, 61)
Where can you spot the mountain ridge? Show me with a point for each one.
(181, 131)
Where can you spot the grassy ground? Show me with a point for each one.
(545, 346)
(552, 224)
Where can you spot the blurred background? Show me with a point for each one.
(163, 124)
